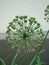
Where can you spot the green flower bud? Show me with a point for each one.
(25, 20)
(37, 27)
(24, 17)
(45, 14)
(17, 16)
(31, 20)
(21, 17)
(40, 30)
(45, 10)
(35, 22)
(20, 23)
(48, 7)
(38, 24)
(47, 21)
(15, 20)
(11, 23)
(8, 31)
(42, 34)
(13, 26)
(44, 18)
(48, 30)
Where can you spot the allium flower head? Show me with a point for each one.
(24, 32)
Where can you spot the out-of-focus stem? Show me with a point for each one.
(26, 53)
(39, 49)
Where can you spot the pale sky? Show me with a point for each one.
(10, 8)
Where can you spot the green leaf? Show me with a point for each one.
(33, 60)
(38, 61)
(15, 64)
(42, 51)
(34, 45)
(2, 62)
(9, 43)
(47, 50)
(14, 59)
(8, 37)
(14, 46)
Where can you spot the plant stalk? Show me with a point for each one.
(42, 45)
(26, 53)
(39, 49)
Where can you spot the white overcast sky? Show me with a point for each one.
(10, 8)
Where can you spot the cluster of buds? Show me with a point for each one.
(22, 29)
(47, 14)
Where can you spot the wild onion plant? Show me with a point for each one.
(25, 33)
(21, 34)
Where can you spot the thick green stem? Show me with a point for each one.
(13, 61)
(26, 53)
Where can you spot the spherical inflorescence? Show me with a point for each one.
(21, 33)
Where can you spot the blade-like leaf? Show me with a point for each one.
(2, 62)
(42, 51)
(13, 61)
(38, 61)
(33, 60)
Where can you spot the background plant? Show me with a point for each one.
(46, 13)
